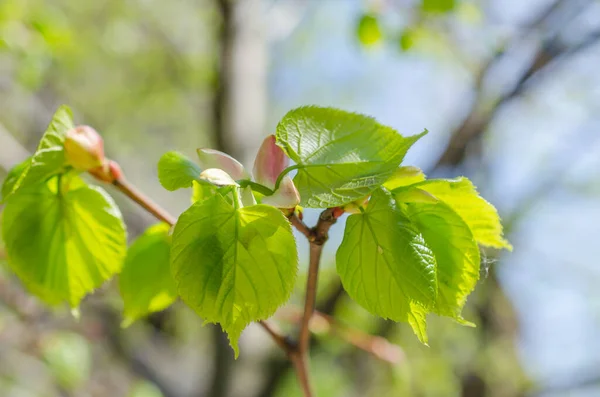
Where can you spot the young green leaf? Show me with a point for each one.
(63, 243)
(49, 158)
(404, 176)
(13, 176)
(455, 250)
(176, 171)
(385, 265)
(481, 216)
(233, 265)
(340, 156)
(145, 282)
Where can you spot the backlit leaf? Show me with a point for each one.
(340, 156)
(176, 171)
(49, 158)
(385, 265)
(233, 265)
(455, 250)
(145, 282)
(481, 216)
(63, 243)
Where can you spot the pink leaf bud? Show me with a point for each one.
(84, 148)
(269, 163)
(210, 158)
(286, 196)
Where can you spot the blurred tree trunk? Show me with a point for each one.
(239, 110)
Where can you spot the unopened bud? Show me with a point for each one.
(269, 163)
(337, 212)
(210, 158)
(286, 196)
(84, 148)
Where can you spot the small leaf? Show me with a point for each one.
(438, 6)
(176, 171)
(233, 266)
(63, 243)
(455, 250)
(404, 176)
(481, 216)
(210, 158)
(368, 30)
(49, 158)
(340, 156)
(145, 282)
(385, 265)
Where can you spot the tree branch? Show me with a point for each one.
(142, 200)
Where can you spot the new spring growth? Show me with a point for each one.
(84, 148)
(269, 164)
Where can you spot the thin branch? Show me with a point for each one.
(141, 199)
(301, 226)
(318, 236)
(281, 340)
(375, 345)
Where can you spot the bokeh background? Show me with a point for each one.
(508, 89)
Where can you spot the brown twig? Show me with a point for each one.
(141, 199)
(300, 226)
(375, 345)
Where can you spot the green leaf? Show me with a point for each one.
(385, 266)
(176, 171)
(49, 158)
(340, 156)
(233, 265)
(201, 191)
(455, 250)
(481, 216)
(145, 282)
(13, 176)
(438, 6)
(368, 30)
(63, 243)
(404, 176)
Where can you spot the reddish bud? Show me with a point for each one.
(269, 163)
(84, 148)
(337, 212)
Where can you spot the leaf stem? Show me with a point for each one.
(257, 187)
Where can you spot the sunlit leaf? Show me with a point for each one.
(49, 158)
(340, 156)
(233, 265)
(385, 265)
(481, 216)
(404, 176)
(455, 250)
(145, 282)
(63, 243)
(176, 171)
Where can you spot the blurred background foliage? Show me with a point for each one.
(508, 89)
